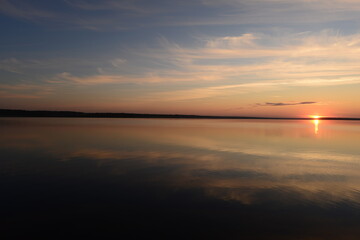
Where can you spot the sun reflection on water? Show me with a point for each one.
(316, 125)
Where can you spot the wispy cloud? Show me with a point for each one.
(10, 65)
(117, 62)
(224, 66)
(26, 65)
(258, 62)
(236, 89)
(326, 52)
(7, 95)
(23, 9)
(102, 15)
(25, 91)
(284, 103)
(111, 5)
(66, 77)
(119, 15)
(39, 13)
(101, 79)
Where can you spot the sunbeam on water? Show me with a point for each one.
(316, 125)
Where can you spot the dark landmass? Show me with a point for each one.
(72, 114)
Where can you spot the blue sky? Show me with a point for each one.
(230, 57)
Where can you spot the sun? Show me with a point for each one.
(315, 116)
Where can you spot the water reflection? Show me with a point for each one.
(250, 179)
(316, 125)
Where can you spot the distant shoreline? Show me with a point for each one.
(74, 114)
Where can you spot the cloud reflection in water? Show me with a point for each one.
(235, 171)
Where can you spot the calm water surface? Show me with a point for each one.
(179, 179)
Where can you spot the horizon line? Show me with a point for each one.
(79, 114)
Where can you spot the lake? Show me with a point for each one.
(179, 178)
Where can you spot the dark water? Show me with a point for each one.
(179, 179)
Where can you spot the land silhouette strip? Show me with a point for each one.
(74, 114)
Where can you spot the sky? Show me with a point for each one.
(280, 58)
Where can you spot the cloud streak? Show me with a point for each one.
(25, 91)
(120, 15)
(272, 104)
(236, 89)
(221, 65)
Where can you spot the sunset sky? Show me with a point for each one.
(289, 58)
